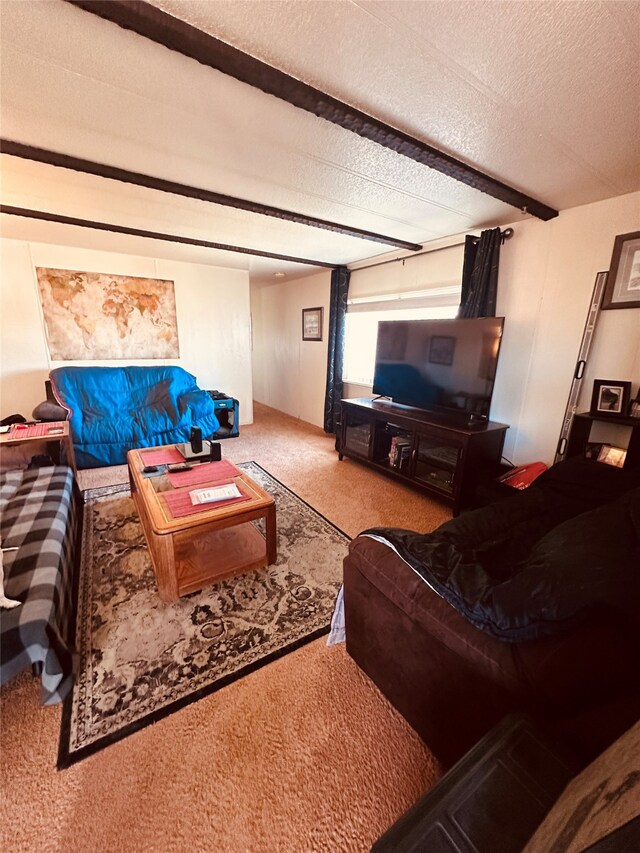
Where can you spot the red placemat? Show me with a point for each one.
(203, 472)
(39, 430)
(179, 502)
(166, 456)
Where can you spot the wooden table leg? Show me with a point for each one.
(164, 564)
(67, 441)
(161, 550)
(271, 534)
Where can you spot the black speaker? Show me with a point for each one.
(196, 439)
(216, 451)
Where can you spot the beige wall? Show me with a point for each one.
(212, 306)
(289, 374)
(547, 274)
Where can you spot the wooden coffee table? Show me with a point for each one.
(200, 548)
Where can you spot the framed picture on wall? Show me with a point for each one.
(623, 280)
(610, 398)
(312, 324)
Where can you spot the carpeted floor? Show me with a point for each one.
(301, 755)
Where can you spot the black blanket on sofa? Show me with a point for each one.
(535, 563)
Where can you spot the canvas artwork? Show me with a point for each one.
(97, 316)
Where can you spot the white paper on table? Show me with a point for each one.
(214, 493)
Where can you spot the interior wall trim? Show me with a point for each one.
(89, 167)
(158, 26)
(47, 216)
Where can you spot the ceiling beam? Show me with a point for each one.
(154, 24)
(53, 158)
(45, 216)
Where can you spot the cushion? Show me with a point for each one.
(601, 804)
(592, 560)
(48, 411)
(534, 564)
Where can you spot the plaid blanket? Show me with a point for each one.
(39, 514)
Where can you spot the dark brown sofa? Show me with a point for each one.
(453, 682)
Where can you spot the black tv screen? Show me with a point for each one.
(443, 366)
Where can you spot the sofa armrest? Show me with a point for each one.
(430, 663)
(501, 789)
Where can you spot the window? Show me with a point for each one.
(361, 333)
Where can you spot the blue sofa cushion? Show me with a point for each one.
(116, 409)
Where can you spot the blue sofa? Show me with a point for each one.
(115, 409)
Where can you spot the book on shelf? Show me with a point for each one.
(403, 454)
(399, 450)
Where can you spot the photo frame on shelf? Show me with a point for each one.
(634, 408)
(610, 398)
(312, 324)
(441, 349)
(615, 456)
(622, 289)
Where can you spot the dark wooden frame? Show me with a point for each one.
(308, 312)
(598, 386)
(619, 275)
(441, 349)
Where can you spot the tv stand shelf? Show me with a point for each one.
(420, 449)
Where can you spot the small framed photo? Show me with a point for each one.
(634, 408)
(622, 289)
(610, 397)
(615, 456)
(312, 324)
(441, 349)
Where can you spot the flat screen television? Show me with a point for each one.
(447, 367)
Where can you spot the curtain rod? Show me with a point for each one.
(507, 234)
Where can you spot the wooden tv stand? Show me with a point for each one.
(431, 454)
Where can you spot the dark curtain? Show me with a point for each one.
(335, 358)
(480, 275)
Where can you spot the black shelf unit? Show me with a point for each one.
(581, 430)
(435, 456)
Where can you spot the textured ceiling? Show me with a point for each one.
(544, 96)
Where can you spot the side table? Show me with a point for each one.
(54, 431)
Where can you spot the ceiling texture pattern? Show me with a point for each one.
(543, 97)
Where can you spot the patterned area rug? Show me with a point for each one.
(141, 659)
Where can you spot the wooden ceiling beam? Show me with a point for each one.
(46, 216)
(54, 158)
(154, 24)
